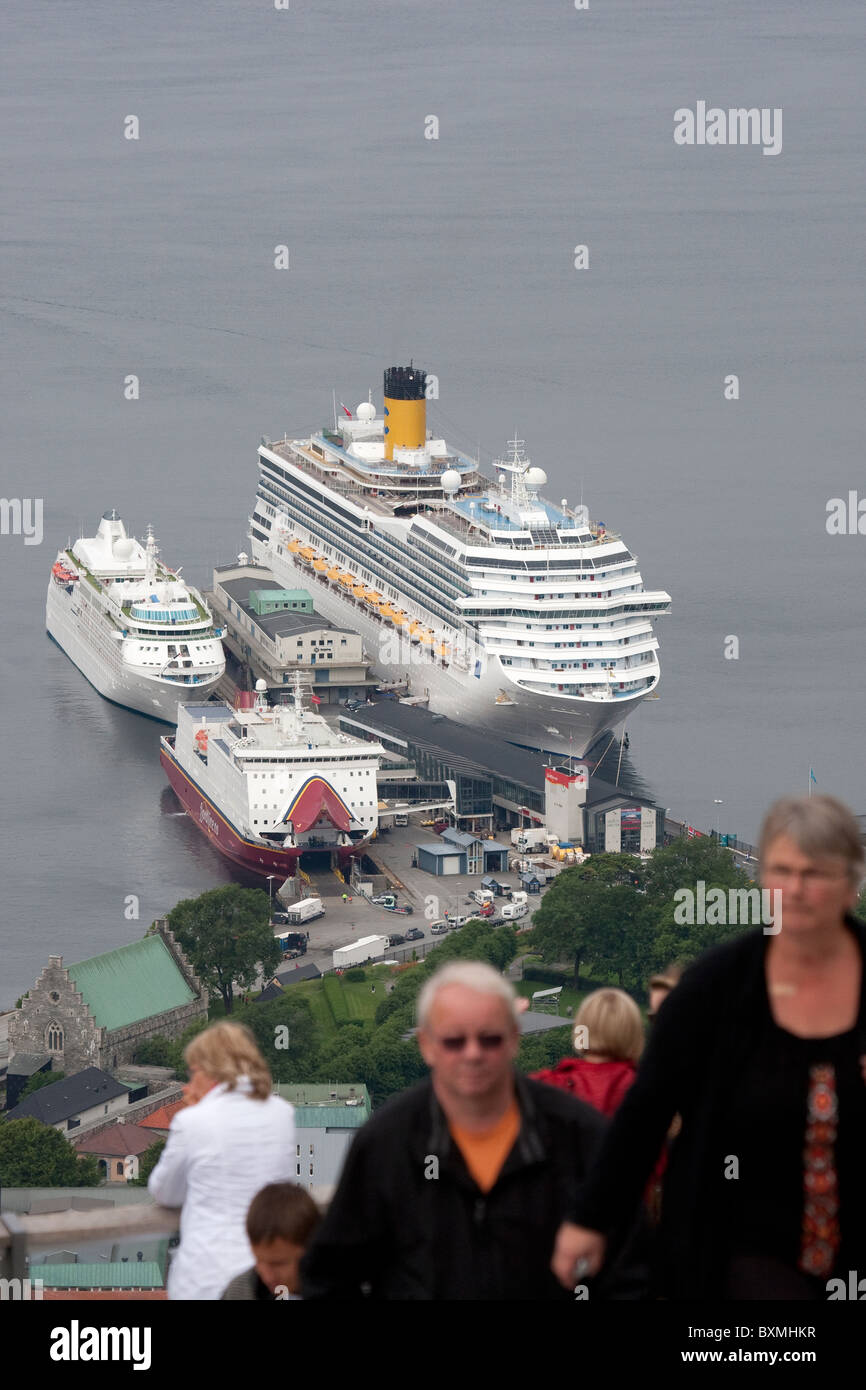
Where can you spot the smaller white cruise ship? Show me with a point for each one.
(139, 633)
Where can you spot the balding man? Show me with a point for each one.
(456, 1188)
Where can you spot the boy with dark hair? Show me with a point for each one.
(280, 1222)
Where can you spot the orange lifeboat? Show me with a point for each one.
(201, 740)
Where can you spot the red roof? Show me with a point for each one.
(315, 798)
(117, 1141)
(162, 1118)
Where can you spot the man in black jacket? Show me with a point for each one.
(456, 1188)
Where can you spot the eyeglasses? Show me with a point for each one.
(488, 1042)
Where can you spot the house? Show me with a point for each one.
(326, 1121)
(76, 1100)
(117, 1149)
(99, 1012)
(19, 1071)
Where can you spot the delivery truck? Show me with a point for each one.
(359, 952)
(305, 910)
(530, 839)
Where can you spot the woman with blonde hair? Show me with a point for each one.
(232, 1139)
(608, 1038)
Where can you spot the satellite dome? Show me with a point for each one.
(450, 480)
(124, 548)
(366, 411)
(536, 477)
(261, 685)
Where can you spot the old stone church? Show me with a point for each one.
(98, 1012)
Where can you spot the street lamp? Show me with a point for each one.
(717, 802)
(271, 878)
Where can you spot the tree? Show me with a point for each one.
(564, 923)
(287, 1034)
(683, 865)
(35, 1155)
(147, 1163)
(541, 1050)
(40, 1079)
(226, 934)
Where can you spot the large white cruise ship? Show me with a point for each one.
(139, 633)
(504, 610)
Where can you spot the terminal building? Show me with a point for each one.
(497, 785)
(273, 632)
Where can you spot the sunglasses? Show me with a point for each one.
(488, 1042)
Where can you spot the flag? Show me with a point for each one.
(348, 412)
(316, 699)
(812, 777)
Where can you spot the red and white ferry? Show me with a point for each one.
(268, 785)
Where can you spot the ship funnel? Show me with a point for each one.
(405, 409)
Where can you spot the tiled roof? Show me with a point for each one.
(117, 1141)
(141, 1274)
(162, 1118)
(131, 983)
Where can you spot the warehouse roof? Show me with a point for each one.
(140, 1274)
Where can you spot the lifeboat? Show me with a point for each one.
(373, 596)
(306, 552)
(347, 579)
(427, 637)
(414, 628)
(359, 591)
(386, 610)
(399, 619)
(442, 649)
(320, 565)
(201, 740)
(294, 545)
(334, 572)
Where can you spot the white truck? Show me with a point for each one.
(359, 952)
(534, 837)
(305, 910)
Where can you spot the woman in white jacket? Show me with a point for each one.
(233, 1139)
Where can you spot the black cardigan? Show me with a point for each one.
(698, 1048)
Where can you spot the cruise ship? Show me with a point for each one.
(503, 609)
(270, 785)
(139, 633)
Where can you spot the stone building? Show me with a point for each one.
(98, 1012)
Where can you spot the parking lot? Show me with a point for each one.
(429, 897)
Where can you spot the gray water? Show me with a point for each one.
(306, 127)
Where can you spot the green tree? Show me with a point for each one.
(683, 865)
(287, 1034)
(541, 1050)
(147, 1163)
(40, 1079)
(564, 924)
(226, 934)
(621, 937)
(35, 1155)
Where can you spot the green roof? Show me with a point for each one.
(133, 982)
(330, 1116)
(138, 1274)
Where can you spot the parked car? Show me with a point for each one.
(486, 910)
(439, 928)
(414, 934)
(395, 940)
(439, 826)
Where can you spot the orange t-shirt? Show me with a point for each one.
(484, 1152)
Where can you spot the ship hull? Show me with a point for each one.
(248, 854)
(103, 665)
(556, 725)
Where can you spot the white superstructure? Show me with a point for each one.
(509, 612)
(139, 633)
(268, 785)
